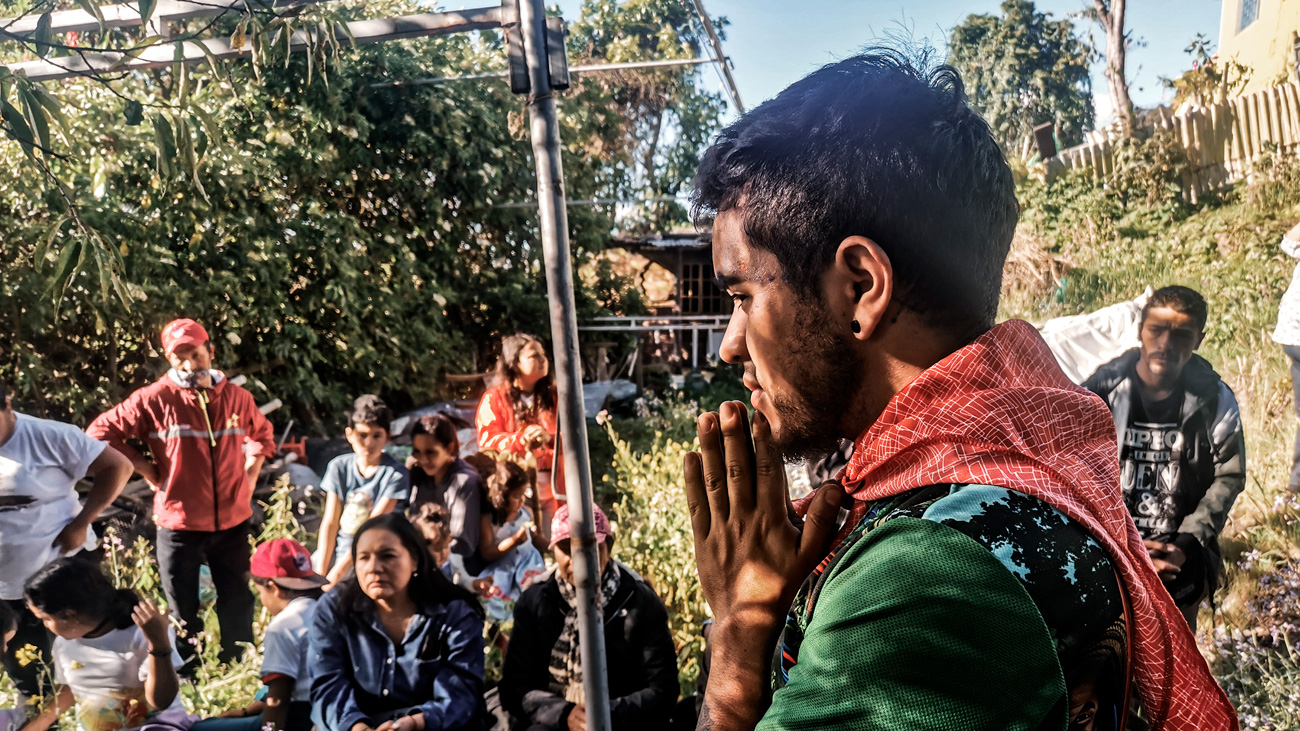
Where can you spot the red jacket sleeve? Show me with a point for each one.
(125, 421)
(495, 420)
(260, 441)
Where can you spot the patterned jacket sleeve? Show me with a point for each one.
(1228, 441)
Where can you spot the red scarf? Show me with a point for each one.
(1000, 412)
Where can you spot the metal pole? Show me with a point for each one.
(584, 69)
(723, 62)
(545, 131)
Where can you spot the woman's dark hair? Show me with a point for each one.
(428, 585)
(504, 479)
(873, 146)
(371, 411)
(76, 586)
(315, 592)
(440, 427)
(507, 370)
(8, 617)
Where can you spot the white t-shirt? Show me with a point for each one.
(39, 469)
(284, 648)
(107, 676)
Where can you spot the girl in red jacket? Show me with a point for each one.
(518, 413)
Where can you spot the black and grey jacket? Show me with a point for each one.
(1209, 471)
(640, 657)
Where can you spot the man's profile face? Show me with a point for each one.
(1168, 340)
(801, 374)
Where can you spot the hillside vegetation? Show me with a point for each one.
(1084, 245)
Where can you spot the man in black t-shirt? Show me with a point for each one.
(1181, 447)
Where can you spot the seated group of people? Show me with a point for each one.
(394, 646)
(382, 629)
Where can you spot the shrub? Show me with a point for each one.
(654, 532)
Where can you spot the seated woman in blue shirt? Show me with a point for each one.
(397, 646)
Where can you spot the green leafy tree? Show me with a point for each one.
(1209, 81)
(665, 113)
(336, 237)
(1023, 68)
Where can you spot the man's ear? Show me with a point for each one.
(1200, 338)
(860, 286)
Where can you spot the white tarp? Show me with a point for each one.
(1084, 343)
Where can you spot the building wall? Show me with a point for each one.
(1265, 45)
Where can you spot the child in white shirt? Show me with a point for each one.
(114, 654)
(288, 587)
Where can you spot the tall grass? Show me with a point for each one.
(1227, 249)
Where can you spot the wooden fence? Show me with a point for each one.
(1222, 140)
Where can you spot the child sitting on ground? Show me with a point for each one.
(288, 588)
(506, 539)
(434, 523)
(358, 486)
(114, 654)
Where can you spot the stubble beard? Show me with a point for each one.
(825, 376)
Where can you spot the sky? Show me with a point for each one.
(773, 43)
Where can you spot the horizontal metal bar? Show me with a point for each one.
(127, 15)
(595, 201)
(586, 69)
(660, 318)
(649, 328)
(162, 56)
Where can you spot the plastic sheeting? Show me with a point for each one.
(1084, 343)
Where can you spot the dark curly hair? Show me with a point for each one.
(507, 370)
(505, 478)
(1179, 299)
(371, 411)
(873, 146)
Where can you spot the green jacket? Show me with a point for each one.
(975, 607)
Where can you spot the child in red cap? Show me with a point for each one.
(281, 571)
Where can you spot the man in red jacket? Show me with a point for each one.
(208, 440)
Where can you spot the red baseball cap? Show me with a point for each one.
(560, 525)
(182, 332)
(287, 563)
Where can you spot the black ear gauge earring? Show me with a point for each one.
(856, 327)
